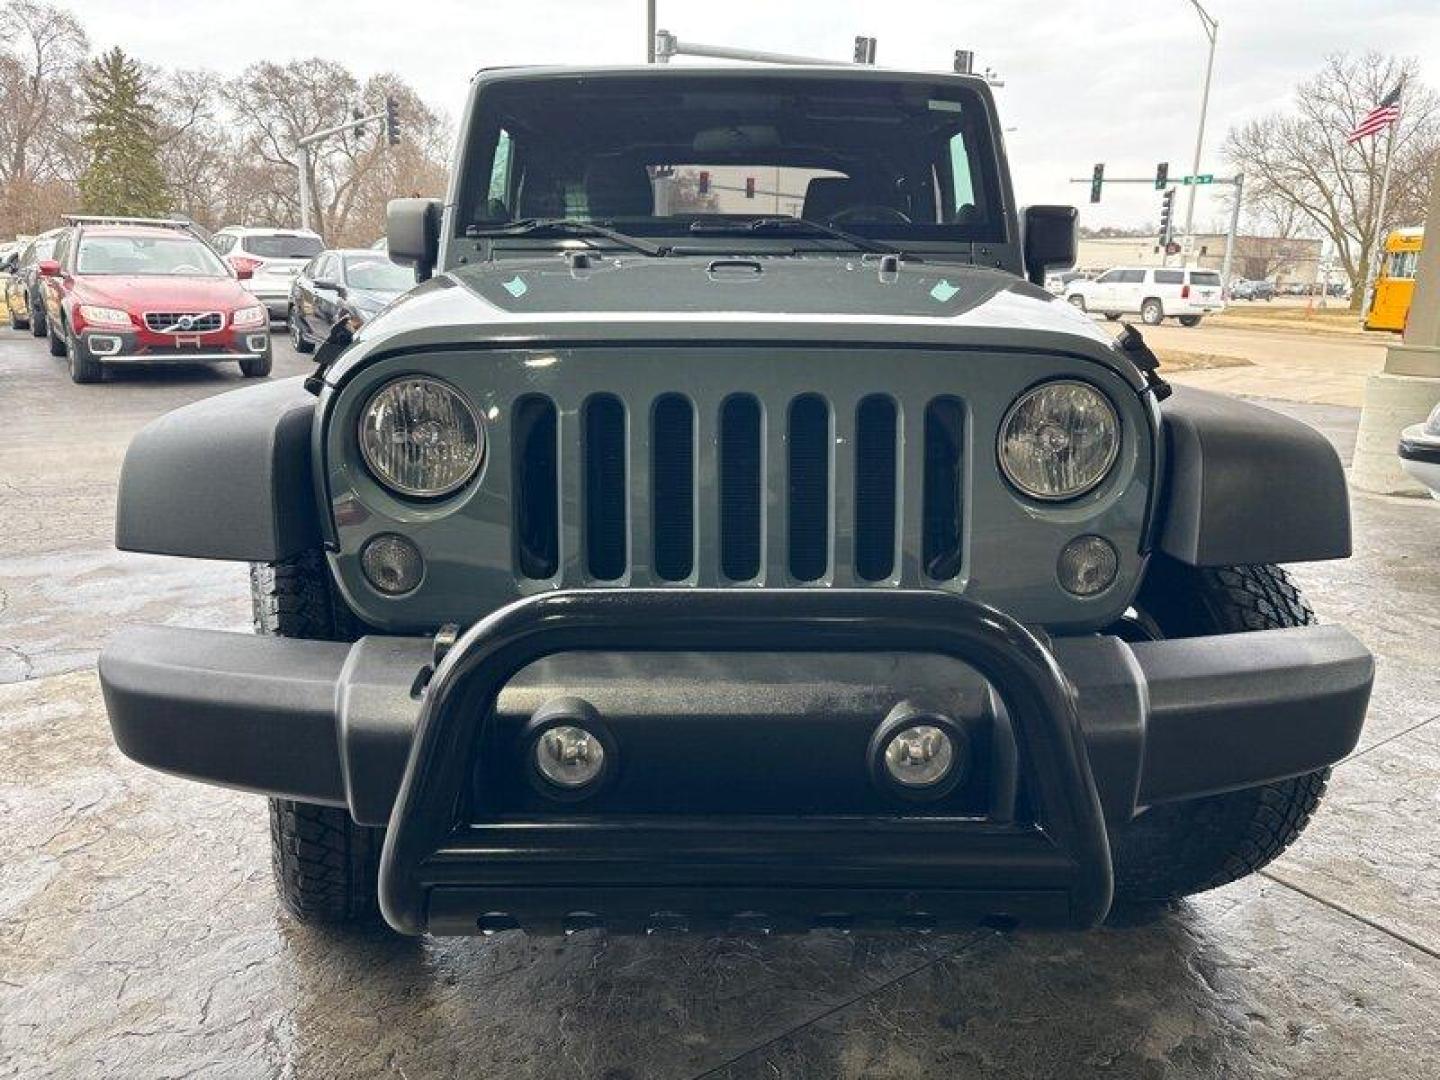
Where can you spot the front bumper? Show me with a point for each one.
(1420, 456)
(1098, 729)
(131, 347)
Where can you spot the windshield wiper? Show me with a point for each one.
(789, 224)
(572, 226)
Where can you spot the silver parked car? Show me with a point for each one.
(273, 257)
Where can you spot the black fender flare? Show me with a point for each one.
(1245, 484)
(228, 477)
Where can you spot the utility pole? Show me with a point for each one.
(649, 31)
(1230, 236)
(1211, 26)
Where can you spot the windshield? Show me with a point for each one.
(284, 246)
(653, 156)
(147, 255)
(377, 273)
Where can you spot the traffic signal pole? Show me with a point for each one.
(388, 115)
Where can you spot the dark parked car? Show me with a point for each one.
(352, 284)
(656, 564)
(24, 298)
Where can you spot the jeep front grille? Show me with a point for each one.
(184, 322)
(774, 493)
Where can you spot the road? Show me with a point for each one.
(139, 935)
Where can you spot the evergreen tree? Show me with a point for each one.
(123, 176)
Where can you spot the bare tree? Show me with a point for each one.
(40, 156)
(352, 175)
(1299, 163)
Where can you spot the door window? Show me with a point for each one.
(1169, 277)
(1110, 277)
(1131, 277)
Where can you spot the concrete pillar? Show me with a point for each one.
(1409, 387)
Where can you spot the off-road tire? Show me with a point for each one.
(17, 323)
(1189, 320)
(39, 321)
(55, 341)
(1152, 312)
(1175, 849)
(324, 864)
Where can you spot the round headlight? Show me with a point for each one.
(1059, 440)
(421, 437)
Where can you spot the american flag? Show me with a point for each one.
(1378, 118)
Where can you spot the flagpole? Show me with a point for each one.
(1377, 255)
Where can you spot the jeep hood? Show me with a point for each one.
(841, 299)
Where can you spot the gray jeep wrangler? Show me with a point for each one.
(730, 530)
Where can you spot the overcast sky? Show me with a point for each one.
(1110, 80)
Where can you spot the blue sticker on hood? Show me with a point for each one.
(516, 286)
(943, 290)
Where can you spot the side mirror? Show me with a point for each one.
(412, 234)
(11, 264)
(243, 273)
(1050, 240)
(326, 285)
(48, 268)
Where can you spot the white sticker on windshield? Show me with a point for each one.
(941, 105)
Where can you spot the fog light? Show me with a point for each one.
(918, 753)
(919, 756)
(392, 564)
(1088, 565)
(569, 756)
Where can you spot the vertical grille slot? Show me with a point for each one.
(875, 460)
(534, 456)
(672, 487)
(602, 429)
(944, 478)
(740, 458)
(809, 487)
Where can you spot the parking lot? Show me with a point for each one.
(139, 935)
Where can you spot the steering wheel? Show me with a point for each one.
(870, 212)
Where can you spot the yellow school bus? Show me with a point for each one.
(1390, 305)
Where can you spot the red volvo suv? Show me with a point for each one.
(138, 291)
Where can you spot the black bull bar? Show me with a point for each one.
(441, 873)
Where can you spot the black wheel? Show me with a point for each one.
(324, 864)
(16, 322)
(1078, 301)
(302, 344)
(1151, 312)
(84, 368)
(1175, 849)
(1112, 315)
(1189, 320)
(39, 321)
(257, 369)
(55, 341)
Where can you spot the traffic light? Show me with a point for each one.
(1167, 216)
(704, 185)
(1097, 180)
(1162, 174)
(392, 121)
(864, 50)
(749, 187)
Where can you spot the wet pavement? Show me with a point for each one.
(140, 937)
